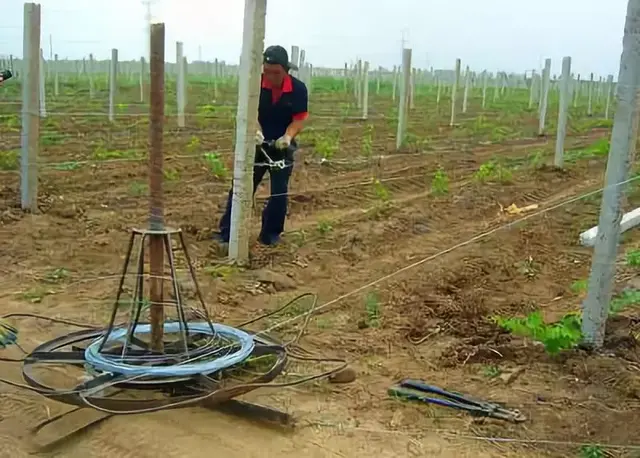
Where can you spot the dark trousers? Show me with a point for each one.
(275, 211)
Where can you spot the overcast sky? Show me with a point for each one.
(509, 35)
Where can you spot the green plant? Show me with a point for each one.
(324, 227)
(326, 147)
(633, 258)
(591, 451)
(171, 174)
(102, 154)
(580, 286)
(537, 160)
(51, 139)
(367, 141)
(193, 145)
(491, 371)
(627, 298)
(35, 295)
(372, 310)
(555, 337)
(380, 190)
(67, 166)
(138, 188)
(493, 171)
(215, 165)
(440, 183)
(207, 109)
(56, 275)
(9, 160)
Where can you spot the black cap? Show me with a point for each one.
(279, 56)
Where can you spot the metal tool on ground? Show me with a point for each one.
(417, 390)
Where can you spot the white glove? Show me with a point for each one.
(259, 137)
(283, 142)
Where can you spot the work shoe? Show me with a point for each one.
(269, 240)
(220, 246)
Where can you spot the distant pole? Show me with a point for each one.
(454, 92)
(595, 308)
(485, 82)
(465, 96)
(113, 87)
(255, 12)
(403, 106)
(563, 111)
(180, 90)
(609, 88)
(295, 58)
(365, 91)
(156, 201)
(532, 88)
(590, 95)
(544, 96)
(42, 87)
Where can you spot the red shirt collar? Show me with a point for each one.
(287, 84)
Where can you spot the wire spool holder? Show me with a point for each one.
(139, 366)
(187, 370)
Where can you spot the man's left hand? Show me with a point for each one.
(283, 142)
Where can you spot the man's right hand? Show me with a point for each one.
(259, 138)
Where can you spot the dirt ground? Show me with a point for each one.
(431, 269)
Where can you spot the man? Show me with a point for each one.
(282, 112)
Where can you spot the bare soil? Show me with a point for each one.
(441, 267)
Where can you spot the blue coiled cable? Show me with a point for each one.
(108, 363)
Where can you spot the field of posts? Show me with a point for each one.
(466, 238)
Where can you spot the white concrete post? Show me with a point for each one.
(412, 90)
(185, 82)
(563, 111)
(180, 86)
(403, 106)
(590, 102)
(143, 72)
(365, 91)
(113, 76)
(30, 103)
(255, 12)
(485, 82)
(545, 96)
(609, 92)
(395, 82)
(532, 89)
(91, 83)
(454, 91)
(358, 85)
(465, 95)
(346, 77)
(56, 79)
(595, 308)
(42, 88)
(576, 92)
(295, 59)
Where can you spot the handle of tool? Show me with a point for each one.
(409, 395)
(426, 388)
